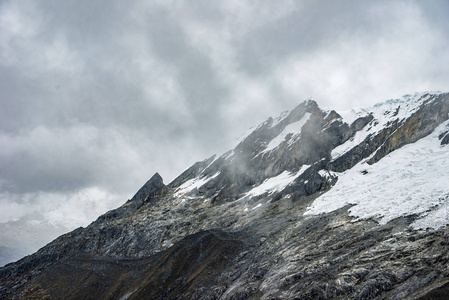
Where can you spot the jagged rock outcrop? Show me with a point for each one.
(254, 223)
(153, 190)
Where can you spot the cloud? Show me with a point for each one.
(96, 98)
(60, 159)
(69, 210)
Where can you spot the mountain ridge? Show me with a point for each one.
(256, 218)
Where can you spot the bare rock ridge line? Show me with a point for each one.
(153, 190)
(314, 204)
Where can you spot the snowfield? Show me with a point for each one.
(410, 180)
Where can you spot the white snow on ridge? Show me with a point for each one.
(193, 183)
(408, 104)
(350, 116)
(410, 180)
(327, 174)
(359, 137)
(294, 128)
(390, 110)
(257, 206)
(279, 119)
(248, 132)
(276, 183)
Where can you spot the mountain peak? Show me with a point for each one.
(150, 189)
(156, 179)
(306, 194)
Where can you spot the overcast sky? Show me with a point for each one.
(97, 96)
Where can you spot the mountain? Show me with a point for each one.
(314, 204)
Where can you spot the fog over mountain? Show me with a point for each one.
(96, 97)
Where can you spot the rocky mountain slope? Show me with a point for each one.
(312, 205)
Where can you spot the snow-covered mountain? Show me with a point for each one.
(314, 204)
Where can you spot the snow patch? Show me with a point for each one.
(125, 297)
(257, 206)
(279, 119)
(410, 180)
(193, 183)
(293, 128)
(252, 129)
(327, 174)
(349, 116)
(359, 137)
(276, 183)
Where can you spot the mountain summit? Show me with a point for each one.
(314, 204)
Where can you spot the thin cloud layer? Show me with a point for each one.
(96, 98)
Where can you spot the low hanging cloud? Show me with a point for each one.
(96, 97)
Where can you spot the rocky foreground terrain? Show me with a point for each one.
(312, 205)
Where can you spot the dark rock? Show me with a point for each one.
(439, 293)
(445, 139)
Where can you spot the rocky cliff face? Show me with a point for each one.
(312, 205)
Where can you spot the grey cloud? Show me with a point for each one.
(98, 97)
(320, 24)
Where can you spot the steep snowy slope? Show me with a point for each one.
(311, 205)
(411, 180)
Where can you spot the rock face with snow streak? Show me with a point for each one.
(312, 205)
